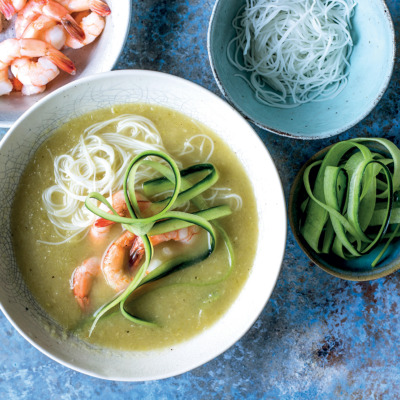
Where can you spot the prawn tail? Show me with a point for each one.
(136, 253)
(83, 302)
(72, 27)
(102, 223)
(17, 84)
(7, 8)
(99, 7)
(61, 60)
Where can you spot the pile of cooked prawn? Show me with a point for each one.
(117, 272)
(33, 58)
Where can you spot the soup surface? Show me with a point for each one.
(181, 304)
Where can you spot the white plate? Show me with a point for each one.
(105, 90)
(100, 56)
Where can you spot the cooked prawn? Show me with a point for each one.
(47, 29)
(115, 267)
(51, 9)
(26, 89)
(29, 90)
(6, 85)
(9, 7)
(184, 235)
(119, 269)
(97, 6)
(34, 73)
(82, 280)
(11, 49)
(92, 24)
(101, 227)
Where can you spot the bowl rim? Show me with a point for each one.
(268, 128)
(282, 204)
(392, 267)
(120, 47)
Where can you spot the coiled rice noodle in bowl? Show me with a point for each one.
(296, 51)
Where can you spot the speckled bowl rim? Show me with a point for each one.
(292, 205)
(276, 203)
(268, 128)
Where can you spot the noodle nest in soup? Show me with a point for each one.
(140, 225)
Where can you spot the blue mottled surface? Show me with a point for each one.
(318, 337)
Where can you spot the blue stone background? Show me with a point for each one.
(317, 338)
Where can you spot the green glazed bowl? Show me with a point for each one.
(357, 269)
(372, 63)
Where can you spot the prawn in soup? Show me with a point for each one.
(172, 254)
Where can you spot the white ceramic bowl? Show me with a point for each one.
(104, 90)
(99, 56)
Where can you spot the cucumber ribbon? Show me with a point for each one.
(352, 203)
(163, 219)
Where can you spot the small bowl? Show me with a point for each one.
(99, 56)
(135, 86)
(357, 269)
(372, 64)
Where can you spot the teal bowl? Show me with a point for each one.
(372, 63)
(357, 269)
